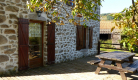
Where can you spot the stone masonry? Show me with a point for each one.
(116, 38)
(10, 11)
(65, 35)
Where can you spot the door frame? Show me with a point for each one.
(42, 23)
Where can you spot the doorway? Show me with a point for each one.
(35, 44)
(30, 42)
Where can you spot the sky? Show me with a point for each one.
(114, 6)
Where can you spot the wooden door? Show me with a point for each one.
(23, 25)
(35, 44)
(51, 43)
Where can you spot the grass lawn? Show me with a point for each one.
(111, 50)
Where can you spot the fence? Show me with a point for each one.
(112, 47)
(99, 46)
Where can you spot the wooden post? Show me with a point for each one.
(99, 68)
(121, 72)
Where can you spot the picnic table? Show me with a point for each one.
(118, 58)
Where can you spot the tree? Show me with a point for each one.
(109, 17)
(128, 22)
(85, 8)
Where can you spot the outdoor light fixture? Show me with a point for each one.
(39, 13)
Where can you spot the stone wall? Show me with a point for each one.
(65, 35)
(116, 38)
(10, 10)
(66, 43)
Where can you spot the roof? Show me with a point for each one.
(105, 27)
(106, 24)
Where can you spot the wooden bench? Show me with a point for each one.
(94, 62)
(132, 67)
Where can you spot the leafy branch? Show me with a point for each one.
(127, 21)
(82, 8)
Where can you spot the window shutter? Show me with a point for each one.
(84, 37)
(79, 41)
(90, 37)
(51, 43)
(23, 34)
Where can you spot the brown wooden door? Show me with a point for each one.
(35, 44)
(23, 25)
(51, 43)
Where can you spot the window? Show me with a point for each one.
(70, 3)
(81, 37)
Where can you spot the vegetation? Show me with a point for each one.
(106, 16)
(127, 21)
(111, 50)
(109, 17)
(106, 45)
(83, 8)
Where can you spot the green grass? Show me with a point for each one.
(111, 50)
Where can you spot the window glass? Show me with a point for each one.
(35, 40)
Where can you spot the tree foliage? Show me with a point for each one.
(85, 8)
(109, 17)
(106, 16)
(127, 21)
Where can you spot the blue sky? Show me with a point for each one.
(114, 6)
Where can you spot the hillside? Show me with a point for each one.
(106, 17)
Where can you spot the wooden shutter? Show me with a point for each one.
(51, 43)
(79, 41)
(84, 38)
(90, 37)
(23, 34)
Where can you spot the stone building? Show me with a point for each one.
(26, 41)
(105, 32)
